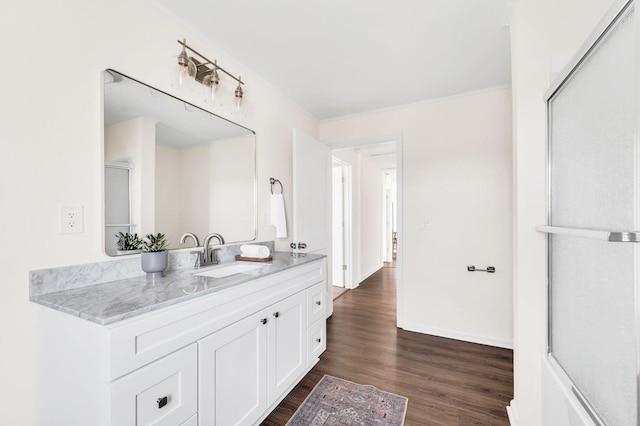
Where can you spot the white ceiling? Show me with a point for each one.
(342, 57)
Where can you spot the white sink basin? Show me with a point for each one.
(232, 269)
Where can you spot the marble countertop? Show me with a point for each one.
(114, 301)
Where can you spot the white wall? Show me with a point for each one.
(366, 184)
(133, 141)
(457, 176)
(232, 186)
(51, 145)
(543, 32)
(370, 218)
(169, 191)
(206, 188)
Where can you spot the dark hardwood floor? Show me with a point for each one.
(447, 382)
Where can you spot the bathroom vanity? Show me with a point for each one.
(184, 349)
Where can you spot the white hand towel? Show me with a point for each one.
(255, 251)
(278, 218)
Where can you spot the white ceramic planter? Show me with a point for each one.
(154, 262)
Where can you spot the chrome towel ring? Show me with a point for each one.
(273, 181)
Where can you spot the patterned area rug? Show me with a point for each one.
(339, 402)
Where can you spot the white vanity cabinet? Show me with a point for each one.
(287, 344)
(251, 364)
(225, 358)
(233, 373)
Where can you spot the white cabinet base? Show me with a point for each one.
(211, 357)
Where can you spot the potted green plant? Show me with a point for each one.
(128, 243)
(154, 257)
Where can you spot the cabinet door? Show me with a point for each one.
(287, 343)
(233, 373)
(161, 393)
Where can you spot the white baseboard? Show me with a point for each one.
(368, 274)
(512, 412)
(483, 340)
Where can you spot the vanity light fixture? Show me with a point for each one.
(204, 71)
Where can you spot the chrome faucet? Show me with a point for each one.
(198, 250)
(192, 236)
(209, 256)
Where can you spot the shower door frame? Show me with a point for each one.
(609, 21)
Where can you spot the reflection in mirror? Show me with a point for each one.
(172, 167)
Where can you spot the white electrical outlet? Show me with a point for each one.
(71, 220)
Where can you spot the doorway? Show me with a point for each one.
(118, 184)
(368, 196)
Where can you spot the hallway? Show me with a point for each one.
(448, 382)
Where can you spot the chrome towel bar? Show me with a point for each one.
(490, 269)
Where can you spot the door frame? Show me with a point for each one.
(388, 216)
(347, 215)
(397, 138)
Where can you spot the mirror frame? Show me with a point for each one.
(103, 162)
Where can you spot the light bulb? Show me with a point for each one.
(210, 83)
(239, 93)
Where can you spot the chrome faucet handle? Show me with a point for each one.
(198, 254)
(208, 255)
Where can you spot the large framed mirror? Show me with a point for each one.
(172, 167)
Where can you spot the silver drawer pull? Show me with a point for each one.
(318, 303)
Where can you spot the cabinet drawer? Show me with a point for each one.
(316, 299)
(161, 393)
(317, 340)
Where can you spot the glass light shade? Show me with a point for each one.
(184, 75)
(238, 95)
(240, 108)
(210, 86)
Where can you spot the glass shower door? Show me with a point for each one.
(593, 210)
